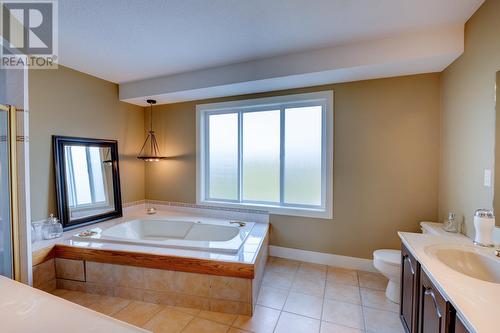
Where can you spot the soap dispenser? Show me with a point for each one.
(52, 228)
(451, 224)
(484, 224)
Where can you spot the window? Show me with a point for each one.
(272, 153)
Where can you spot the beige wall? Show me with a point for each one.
(496, 189)
(385, 166)
(67, 102)
(468, 117)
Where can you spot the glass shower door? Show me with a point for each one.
(6, 256)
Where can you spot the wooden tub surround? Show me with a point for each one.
(150, 260)
(222, 284)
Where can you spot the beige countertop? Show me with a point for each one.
(27, 310)
(477, 302)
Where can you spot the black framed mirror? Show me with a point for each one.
(87, 180)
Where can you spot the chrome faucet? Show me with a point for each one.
(240, 224)
(497, 252)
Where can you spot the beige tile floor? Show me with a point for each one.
(295, 297)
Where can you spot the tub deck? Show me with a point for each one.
(205, 280)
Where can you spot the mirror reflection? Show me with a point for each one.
(89, 180)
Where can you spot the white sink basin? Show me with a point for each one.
(469, 261)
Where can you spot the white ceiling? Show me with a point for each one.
(131, 40)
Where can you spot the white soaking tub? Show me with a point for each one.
(195, 233)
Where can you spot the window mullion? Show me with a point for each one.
(324, 154)
(91, 174)
(282, 155)
(240, 156)
(72, 176)
(206, 143)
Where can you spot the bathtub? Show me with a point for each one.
(194, 233)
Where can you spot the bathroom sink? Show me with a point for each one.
(469, 261)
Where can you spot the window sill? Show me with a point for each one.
(275, 210)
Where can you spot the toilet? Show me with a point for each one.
(388, 262)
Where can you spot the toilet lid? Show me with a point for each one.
(388, 256)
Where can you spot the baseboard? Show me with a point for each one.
(322, 258)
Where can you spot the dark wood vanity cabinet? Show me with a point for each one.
(423, 308)
(435, 315)
(410, 270)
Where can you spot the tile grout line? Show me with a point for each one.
(323, 301)
(298, 292)
(157, 312)
(361, 299)
(343, 301)
(286, 299)
(150, 318)
(189, 322)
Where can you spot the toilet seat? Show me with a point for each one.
(392, 257)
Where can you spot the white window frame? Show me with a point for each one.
(323, 98)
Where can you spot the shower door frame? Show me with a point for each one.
(13, 195)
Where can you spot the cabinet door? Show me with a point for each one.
(409, 287)
(436, 315)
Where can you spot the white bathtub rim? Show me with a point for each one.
(132, 212)
(231, 246)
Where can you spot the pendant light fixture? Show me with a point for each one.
(150, 151)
